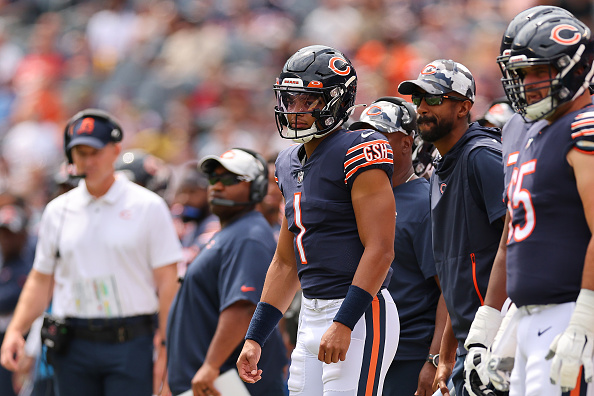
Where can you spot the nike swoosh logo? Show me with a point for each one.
(246, 289)
(364, 135)
(541, 332)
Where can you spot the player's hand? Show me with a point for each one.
(574, 347)
(203, 381)
(442, 374)
(425, 383)
(12, 349)
(569, 350)
(476, 377)
(247, 363)
(335, 343)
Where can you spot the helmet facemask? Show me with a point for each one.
(568, 78)
(325, 105)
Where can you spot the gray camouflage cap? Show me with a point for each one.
(442, 76)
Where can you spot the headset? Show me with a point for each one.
(115, 136)
(258, 186)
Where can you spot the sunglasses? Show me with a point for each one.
(228, 179)
(432, 99)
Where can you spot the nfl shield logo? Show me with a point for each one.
(300, 177)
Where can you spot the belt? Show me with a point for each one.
(115, 330)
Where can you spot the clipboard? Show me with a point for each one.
(228, 384)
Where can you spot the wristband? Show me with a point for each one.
(353, 307)
(263, 322)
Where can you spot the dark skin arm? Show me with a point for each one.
(231, 328)
(496, 292)
(447, 359)
(375, 211)
(427, 374)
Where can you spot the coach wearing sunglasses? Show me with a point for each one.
(466, 201)
(212, 310)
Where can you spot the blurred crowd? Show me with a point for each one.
(189, 78)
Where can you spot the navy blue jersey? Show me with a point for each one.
(466, 212)
(230, 268)
(513, 133)
(548, 235)
(319, 210)
(413, 286)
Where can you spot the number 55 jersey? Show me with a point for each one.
(548, 234)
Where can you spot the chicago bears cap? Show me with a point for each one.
(442, 76)
(92, 131)
(385, 117)
(235, 161)
(12, 218)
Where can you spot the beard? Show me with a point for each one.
(432, 130)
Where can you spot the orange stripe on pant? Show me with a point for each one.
(576, 390)
(375, 309)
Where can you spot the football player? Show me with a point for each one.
(336, 240)
(550, 267)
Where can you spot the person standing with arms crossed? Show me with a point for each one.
(107, 253)
(336, 239)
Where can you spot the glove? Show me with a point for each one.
(500, 358)
(476, 377)
(481, 335)
(574, 347)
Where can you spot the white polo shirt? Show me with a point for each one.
(108, 248)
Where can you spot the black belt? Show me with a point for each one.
(115, 330)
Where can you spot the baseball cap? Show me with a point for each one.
(13, 218)
(92, 131)
(442, 76)
(385, 117)
(235, 161)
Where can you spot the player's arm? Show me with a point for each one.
(231, 328)
(487, 320)
(33, 301)
(280, 287)
(375, 211)
(574, 346)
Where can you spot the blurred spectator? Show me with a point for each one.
(16, 264)
(498, 113)
(192, 217)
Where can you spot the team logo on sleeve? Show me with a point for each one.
(574, 38)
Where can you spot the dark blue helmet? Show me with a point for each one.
(321, 81)
(564, 45)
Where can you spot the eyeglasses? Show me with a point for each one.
(228, 179)
(432, 99)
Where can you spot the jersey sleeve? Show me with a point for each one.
(582, 133)
(243, 272)
(485, 173)
(370, 150)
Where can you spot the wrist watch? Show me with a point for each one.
(433, 359)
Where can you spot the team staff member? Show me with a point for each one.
(466, 205)
(212, 310)
(107, 251)
(336, 240)
(414, 285)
